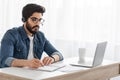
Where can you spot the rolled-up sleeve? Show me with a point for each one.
(59, 54)
(8, 61)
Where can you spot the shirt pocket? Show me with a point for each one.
(20, 52)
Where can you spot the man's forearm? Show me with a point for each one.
(19, 63)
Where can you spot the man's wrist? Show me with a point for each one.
(53, 59)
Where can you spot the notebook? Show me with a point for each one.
(51, 67)
(98, 57)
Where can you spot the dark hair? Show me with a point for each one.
(29, 9)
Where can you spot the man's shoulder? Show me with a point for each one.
(13, 30)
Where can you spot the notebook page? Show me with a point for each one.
(51, 67)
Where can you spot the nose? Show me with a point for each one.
(38, 23)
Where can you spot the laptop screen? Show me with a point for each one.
(99, 53)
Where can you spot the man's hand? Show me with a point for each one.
(35, 63)
(48, 60)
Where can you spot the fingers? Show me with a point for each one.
(35, 63)
(41, 63)
(47, 60)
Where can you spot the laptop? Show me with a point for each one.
(98, 57)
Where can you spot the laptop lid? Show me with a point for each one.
(99, 53)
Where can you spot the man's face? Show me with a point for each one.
(33, 22)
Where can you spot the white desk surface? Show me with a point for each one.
(35, 74)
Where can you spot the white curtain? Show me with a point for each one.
(70, 24)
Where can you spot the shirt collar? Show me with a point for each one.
(23, 32)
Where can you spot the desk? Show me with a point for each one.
(101, 72)
(4, 76)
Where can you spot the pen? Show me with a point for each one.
(38, 58)
(35, 56)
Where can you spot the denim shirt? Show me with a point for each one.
(15, 45)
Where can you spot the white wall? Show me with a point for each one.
(70, 24)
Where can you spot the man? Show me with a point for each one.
(23, 46)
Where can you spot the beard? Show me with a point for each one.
(33, 29)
